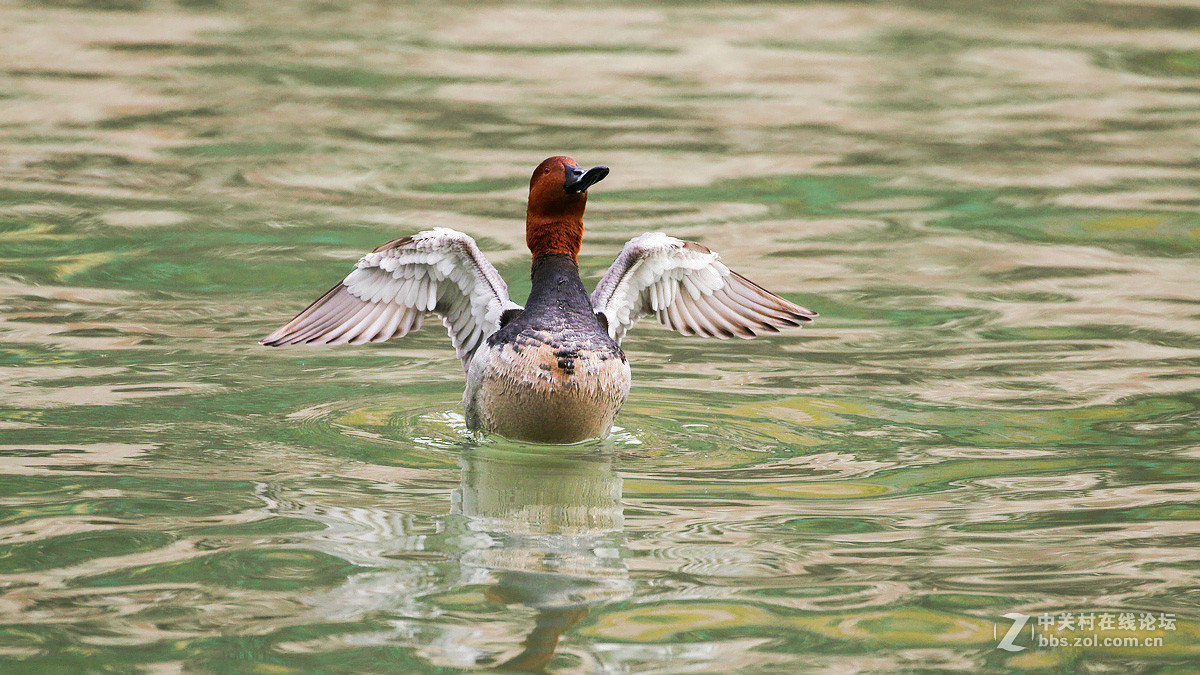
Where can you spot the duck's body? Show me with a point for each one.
(552, 371)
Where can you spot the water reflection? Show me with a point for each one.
(996, 205)
(545, 530)
(527, 530)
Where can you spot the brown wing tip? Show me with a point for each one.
(796, 311)
(395, 243)
(279, 340)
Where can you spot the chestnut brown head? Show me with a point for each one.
(557, 197)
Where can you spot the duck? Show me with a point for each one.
(551, 371)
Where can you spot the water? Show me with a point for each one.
(994, 208)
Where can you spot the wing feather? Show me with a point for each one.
(391, 288)
(389, 329)
(687, 288)
(694, 316)
(381, 320)
(354, 334)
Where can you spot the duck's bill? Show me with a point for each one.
(579, 180)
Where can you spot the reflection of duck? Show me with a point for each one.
(554, 524)
(542, 531)
(552, 371)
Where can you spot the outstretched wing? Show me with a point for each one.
(688, 288)
(388, 294)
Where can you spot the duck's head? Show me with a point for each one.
(557, 196)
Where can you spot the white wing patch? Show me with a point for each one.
(393, 287)
(688, 288)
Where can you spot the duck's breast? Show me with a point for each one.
(546, 387)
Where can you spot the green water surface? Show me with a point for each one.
(994, 207)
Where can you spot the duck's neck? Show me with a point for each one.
(554, 231)
(556, 283)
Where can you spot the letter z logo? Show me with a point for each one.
(1006, 643)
